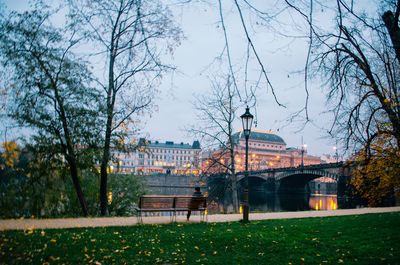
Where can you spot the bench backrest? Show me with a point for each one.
(173, 202)
(156, 202)
(190, 202)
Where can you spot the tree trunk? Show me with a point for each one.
(79, 193)
(104, 162)
(103, 188)
(69, 153)
(391, 23)
(107, 140)
(392, 26)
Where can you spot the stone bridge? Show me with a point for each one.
(291, 179)
(294, 179)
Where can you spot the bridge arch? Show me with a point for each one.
(295, 181)
(240, 177)
(312, 173)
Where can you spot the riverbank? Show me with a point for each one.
(23, 224)
(352, 239)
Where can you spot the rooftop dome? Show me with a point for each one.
(260, 136)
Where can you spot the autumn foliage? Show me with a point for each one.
(377, 176)
(9, 155)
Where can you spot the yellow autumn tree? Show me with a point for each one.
(377, 176)
(10, 154)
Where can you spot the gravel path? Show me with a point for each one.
(21, 224)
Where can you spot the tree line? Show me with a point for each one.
(78, 111)
(35, 184)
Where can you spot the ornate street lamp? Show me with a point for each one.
(247, 120)
(336, 153)
(303, 148)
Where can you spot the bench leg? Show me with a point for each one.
(139, 217)
(172, 216)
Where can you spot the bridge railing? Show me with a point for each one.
(309, 167)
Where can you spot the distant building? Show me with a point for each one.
(266, 150)
(156, 157)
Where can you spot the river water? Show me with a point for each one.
(276, 202)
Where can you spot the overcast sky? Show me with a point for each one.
(204, 41)
(282, 57)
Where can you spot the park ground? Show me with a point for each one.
(369, 236)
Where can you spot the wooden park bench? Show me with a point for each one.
(171, 204)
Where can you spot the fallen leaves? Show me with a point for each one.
(53, 258)
(172, 244)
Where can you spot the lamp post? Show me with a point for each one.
(336, 153)
(247, 120)
(303, 147)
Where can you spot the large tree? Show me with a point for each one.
(359, 59)
(215, 117)
(363, 77)
(49, 88)
(129, 38)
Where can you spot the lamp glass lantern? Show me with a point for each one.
(247, 121)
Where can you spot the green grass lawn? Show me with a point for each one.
(364, 239)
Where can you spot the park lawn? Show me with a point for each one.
(362, 239)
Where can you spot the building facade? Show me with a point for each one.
(266, 150)
(156, 157)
